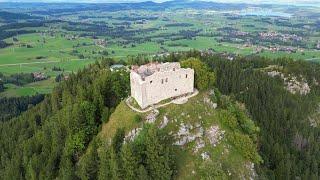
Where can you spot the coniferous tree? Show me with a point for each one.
(89, 164)
(142, 173)
(117, 140)
(129, 162)
(104, 163)
(66, 171)
(157, 156)
(1, 86)
(115, 165)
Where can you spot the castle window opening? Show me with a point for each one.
(150, 82)
(166, 79)
(186, 75)
(161, 81)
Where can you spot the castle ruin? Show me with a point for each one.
(154, 82)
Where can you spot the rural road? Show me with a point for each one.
(44, 62)
(40, 62)
(18, 64)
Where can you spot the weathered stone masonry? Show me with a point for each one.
(154, 82)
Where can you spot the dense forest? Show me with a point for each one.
(150, 156)
(289, 146)
(56, 139)
(14, 106)
(48, 140)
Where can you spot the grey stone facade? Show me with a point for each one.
(154, 82)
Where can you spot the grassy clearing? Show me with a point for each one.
(122, 117)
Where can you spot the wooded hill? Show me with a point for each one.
(58, 137)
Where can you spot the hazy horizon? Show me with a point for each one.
(289, 2)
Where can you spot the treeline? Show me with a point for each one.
(124, 31)
(178, 25)
(105, 30)
(136, 18)
(289, 146)
(8, 34)
(14, 106)
(4, 44)
(21, 25)
(14, 29)
(17, 79)
(11, 17)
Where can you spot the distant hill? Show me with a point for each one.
(51, 8)
(10, 17)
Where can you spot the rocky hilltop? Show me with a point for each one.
(210, 131)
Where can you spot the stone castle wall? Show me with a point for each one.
(168, 80)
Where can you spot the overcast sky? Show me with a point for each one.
(225, 1)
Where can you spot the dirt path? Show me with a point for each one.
(160, 105)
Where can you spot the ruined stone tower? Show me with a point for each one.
(154, 82)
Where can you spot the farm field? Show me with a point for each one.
(62, 42)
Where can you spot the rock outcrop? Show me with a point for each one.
(292, 83)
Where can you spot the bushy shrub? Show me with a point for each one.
(245, 145)
(228, 119)
(204, 77)
(137, 118)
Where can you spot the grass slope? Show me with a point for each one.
(196, 111)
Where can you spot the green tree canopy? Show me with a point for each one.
(204, 77)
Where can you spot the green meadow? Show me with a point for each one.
(68, 49)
